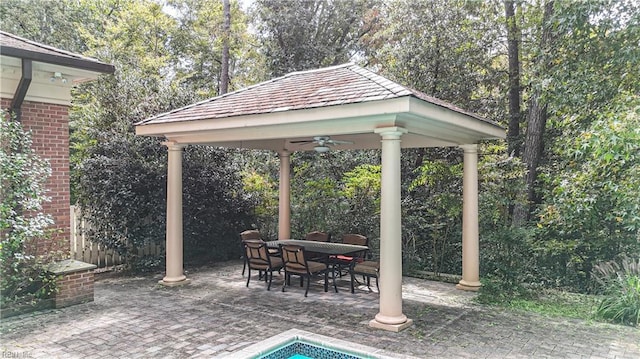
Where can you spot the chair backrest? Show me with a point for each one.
(359, 240)
(356, 239)
(257, 252)
(250, 234)
(293, 258)
(318, 236)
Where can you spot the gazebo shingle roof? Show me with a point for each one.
(331, 86)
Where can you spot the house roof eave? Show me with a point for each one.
(57, 60)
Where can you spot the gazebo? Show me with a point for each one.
(344, 103)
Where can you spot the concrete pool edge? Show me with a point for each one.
(266, 346)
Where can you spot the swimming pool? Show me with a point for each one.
(309, 345)
(300, 349)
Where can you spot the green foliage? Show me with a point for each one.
(336, 192)
(120, 191)
(199, 38)
(360, 188)
(119, 178)
(315, 200)
(603, 35)
(503, 291)
(263, 192)
(620, 283)
(23, 180)
(215, 206)
(508, 254)
(25, 280)
(440, 48)
(592, 214)
(23, 175)
(501, 180)
(147, 264)
(312, 34)
(42, 21)
(507, 265)
(362, 184)
(432, 215)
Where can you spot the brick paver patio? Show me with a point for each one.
(215, 315)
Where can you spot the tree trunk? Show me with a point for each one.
(224, 76)
(513, 43)
(536, 124)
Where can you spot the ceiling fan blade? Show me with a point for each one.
(339, 142)
(302, 141)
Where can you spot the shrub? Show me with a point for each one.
(23, 276)
(432, 216)
(620, 283)
(121, 187)
(506, 265)
(25, 279)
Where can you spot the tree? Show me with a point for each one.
(121, 177)
(224, 76)
(583, 181)
(584, 55)
(445, 49)
(42, 21)
(592, 213)
(208, 39)
(514, 37)
(536, 117)
(313, 34)
(448, 50)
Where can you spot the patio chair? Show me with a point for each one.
(295, 263)
(317, 236)
(368, 269)
(253, 234)
(250, 234)
(342, 262)
(258, 257)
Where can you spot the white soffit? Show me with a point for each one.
(41, 89)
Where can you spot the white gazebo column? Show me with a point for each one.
(470, 239)
(284, 200)
(390, 316)
(175, 271)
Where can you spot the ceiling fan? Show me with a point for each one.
(323, 143)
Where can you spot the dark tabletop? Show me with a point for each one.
(320, 247)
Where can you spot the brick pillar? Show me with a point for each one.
(74, 282)
(49, 126)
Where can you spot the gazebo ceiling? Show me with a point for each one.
(346, 102)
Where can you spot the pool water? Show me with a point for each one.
(300, 356)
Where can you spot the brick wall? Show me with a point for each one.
(74, 288)
(49, 126)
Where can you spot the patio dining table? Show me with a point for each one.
(326, 249)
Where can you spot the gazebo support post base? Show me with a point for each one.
(468, 286)
(391, 327)
(174, 284)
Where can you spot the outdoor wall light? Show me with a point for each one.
(58, 76)
(321, 149)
